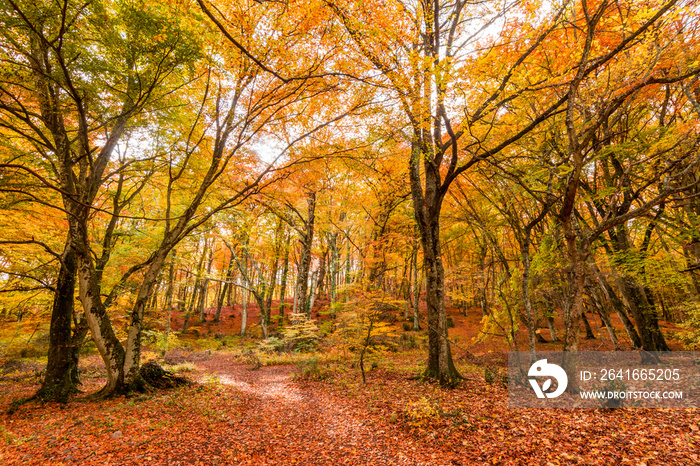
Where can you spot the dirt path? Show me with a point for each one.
(289, 423)
(234, 416)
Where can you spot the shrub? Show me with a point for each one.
(160, 341)
(311, 370)
(302, 336)
(421, 411)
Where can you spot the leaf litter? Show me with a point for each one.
(238, 416)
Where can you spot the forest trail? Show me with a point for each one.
(286, 422)
(233, 415)
(237, 416)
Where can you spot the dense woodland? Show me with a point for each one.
(533, 162)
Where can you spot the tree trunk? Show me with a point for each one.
(224, 291)
(205, 287)
(633, 293)
(347, 272)
(416, 290)
(552, 329)
(589, 331)
(440, 364)
(618, 306)
(334, 270)
(320, 284)
(305, 259)
(574, 309)
(312, 291)
(169, 295)
(644, 315)
(283, 285)
(529, 314)
(406, 285)
(605, 318)
(427, 205)
(269, 293)
(60, 379)
(244, 310)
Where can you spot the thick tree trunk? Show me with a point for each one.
(107, 343)
(643, 313)
(440, 364)
(577, 274)
(132, 359)
(577, 251)
(427, 205)
(60, 379)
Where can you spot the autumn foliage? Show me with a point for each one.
(358, 181)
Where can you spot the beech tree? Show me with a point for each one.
(63, 94)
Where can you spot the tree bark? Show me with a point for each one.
(205, 287)
(169, 294)
(415, 290)
(618, 306)
(283, 284)
(305, 259)
(61, 375)
(333, 245)
(427, 204)
(633, 293)
(527, 303)
(244, 310)
(224, 290)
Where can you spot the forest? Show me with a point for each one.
(220, 219)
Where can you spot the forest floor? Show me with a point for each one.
(315, 409)
(319, 412)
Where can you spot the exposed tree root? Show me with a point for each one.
(155, 376)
